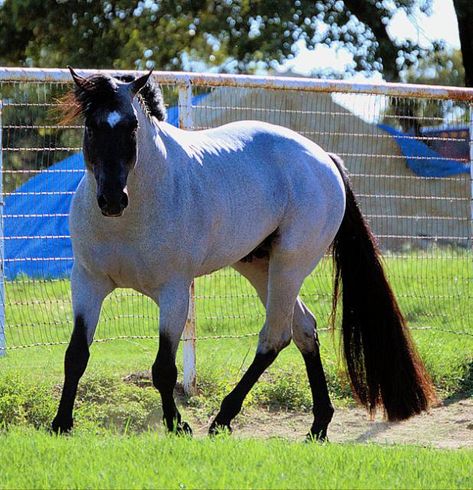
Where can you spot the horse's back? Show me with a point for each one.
(256, 178)
(260, 148)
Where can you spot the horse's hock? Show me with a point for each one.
(405, 211)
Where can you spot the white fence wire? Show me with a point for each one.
(408, 149)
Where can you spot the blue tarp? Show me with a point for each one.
(421, 159)
(39, 208)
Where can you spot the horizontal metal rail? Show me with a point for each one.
(251, 81)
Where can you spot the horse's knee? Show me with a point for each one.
(323, 414)
(273, 341)
(305, 340)
(164, 370)
(77, 353)
(164, 376)
(284, 341)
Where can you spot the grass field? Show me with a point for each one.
(119, 422)
(36, 460)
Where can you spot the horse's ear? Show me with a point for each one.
(80, 81)
(139, 83)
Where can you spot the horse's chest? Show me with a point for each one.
(126, 270)
(127, 265)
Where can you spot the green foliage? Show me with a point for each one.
(106, 401)
(240, 35)
(443, 67)
(24, 403)
(103, 402)
(287, 390)
(31, 138)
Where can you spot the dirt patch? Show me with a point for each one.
(447, 426)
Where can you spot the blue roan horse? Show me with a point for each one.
(159, 206)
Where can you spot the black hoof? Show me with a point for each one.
(183, 429)
(317, 435)
(61, 426)
(216, 429)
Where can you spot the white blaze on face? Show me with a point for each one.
(113, 118)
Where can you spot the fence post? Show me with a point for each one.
(3, 345)
(188, 336)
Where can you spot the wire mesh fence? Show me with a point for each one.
(409, 163)
(409, 160)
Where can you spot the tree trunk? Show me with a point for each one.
(387, 50)
(464, 11)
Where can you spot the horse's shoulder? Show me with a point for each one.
(79, 195)
(80, 212)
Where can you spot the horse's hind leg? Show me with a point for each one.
(282, 290)
(88, 293)
(305, 337)
(304, 328)
(173, 300)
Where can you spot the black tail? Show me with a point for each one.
(383, 364)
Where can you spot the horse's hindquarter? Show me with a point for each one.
(249, 179)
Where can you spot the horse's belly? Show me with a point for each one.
(227, 248)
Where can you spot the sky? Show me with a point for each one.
(442, 24)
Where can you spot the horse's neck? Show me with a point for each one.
(150, 163)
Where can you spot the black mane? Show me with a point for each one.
(151, 96)
(101, 91)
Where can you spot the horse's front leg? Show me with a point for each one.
(88, 293)
(173, 300)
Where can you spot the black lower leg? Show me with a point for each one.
(233, 402)
(75, 362)
(164, 379)
(322, 408)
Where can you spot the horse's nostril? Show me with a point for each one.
(102, 201)
(124, 200)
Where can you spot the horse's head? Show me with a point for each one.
(110, 135)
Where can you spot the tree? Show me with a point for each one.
(230, 35)
(440, 68)
(464, 11)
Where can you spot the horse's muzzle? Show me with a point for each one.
(113, 206)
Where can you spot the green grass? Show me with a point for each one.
(30, 459)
